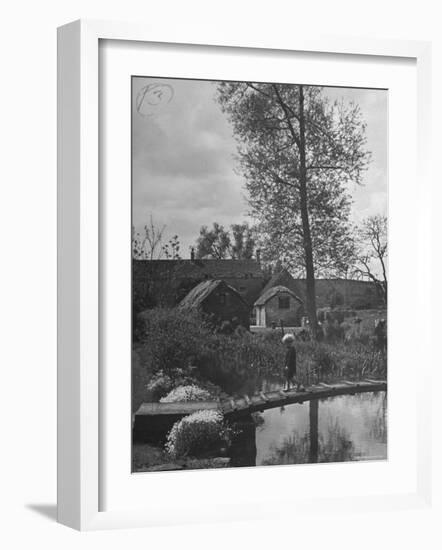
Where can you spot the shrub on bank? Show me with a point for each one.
(196, 434)
(172, 339)
(181, 349)
(186, 393)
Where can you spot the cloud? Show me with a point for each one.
(183, 158)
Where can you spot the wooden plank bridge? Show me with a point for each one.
(158, 418)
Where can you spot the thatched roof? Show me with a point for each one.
(199, 293)
(274, 291)
(283, 278)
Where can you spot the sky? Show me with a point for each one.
(183, 167)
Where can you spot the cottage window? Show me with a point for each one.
(284, 302)
(222, 299)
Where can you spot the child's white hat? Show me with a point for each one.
(288, 338)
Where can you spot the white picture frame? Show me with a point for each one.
(79, 275)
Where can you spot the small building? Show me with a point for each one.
(277, 304)
(219, 300)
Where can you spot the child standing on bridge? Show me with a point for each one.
(290, 360)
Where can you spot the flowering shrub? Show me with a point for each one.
(186, 393)
(197, 433)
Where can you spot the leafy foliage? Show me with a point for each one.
(219, 243)
(213, 243)
(172, 339)
(266, 119)
(172, 249)
(242, 241)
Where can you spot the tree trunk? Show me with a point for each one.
(307, 239)
(383, 288)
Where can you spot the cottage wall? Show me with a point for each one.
(290, 316)
(261, 316)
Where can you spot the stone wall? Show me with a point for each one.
(342, 292)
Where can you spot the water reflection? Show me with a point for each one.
(338, 429)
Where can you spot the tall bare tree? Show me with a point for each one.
(297, 152)
(372, 253)
(147, 245)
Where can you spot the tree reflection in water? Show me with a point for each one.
(339, 429)
(334, 446)
(377, 424)
(374, 417)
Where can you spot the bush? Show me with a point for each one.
(172, 339)
(160, 385)
(183, 348)
(196, 434)
(333, 331)
(186, 393)
(324, 360)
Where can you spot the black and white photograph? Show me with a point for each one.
(259, 274)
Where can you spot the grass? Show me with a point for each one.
(146, 456)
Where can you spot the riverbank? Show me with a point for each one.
(152, 458)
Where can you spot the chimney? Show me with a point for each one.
(192, 253)
(258, 255)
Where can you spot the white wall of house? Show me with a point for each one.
(261, 316)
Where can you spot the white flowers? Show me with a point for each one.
(196, 433)
(186, 393)
(209, 416)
